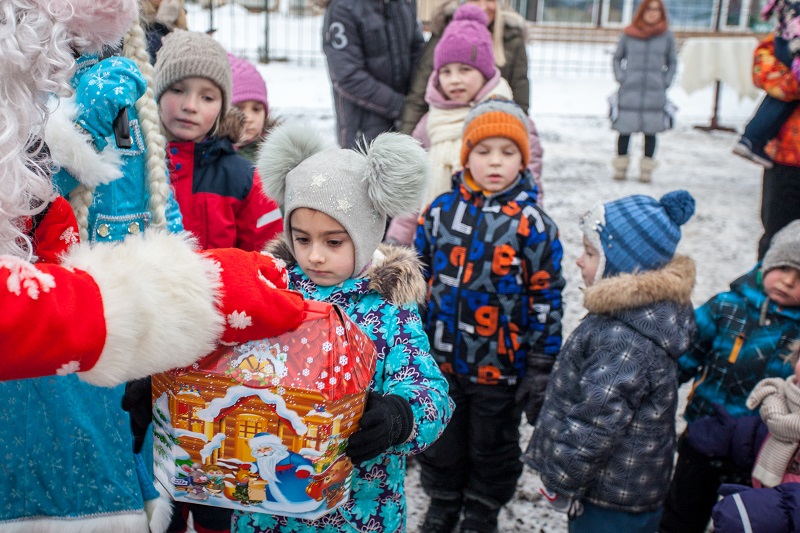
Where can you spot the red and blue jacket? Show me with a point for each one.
(220, 196)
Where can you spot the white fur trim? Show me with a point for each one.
(73, 149)
(159, 510)
(124, 522)
(159, 302)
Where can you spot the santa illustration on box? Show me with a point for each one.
(287, 473)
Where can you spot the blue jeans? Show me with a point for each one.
(600, 520)
(772, 113)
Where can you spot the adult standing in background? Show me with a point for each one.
(372, 47)
(509, 35)
(158, 18)
(644, 66)
(780, 192)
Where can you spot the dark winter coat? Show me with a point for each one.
(735, 347)
(494, 270)
(220, 197)
(514, 71)
(644, 68)
(606, 431)
(372, 47)
(758, 510)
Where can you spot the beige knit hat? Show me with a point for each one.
(189, 54)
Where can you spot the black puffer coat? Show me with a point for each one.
(372, 48)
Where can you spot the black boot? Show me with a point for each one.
(479, 517)
(442, 516)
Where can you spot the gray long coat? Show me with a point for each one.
(644, 69)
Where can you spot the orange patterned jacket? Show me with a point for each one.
(779, 82)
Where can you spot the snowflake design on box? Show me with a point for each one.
(339, 331)
(327, 347)
(343, 360)
(24, 276)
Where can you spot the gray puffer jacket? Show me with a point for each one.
(372, 47)
(606, 431)
(644, 69)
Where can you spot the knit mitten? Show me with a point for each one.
(530, 392)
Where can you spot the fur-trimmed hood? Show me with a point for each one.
(656, 304)
(395, 272)
(674, 282)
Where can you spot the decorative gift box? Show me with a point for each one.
(263, 426)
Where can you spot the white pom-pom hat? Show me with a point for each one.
(357, 188)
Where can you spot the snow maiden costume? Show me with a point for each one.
(110, 312)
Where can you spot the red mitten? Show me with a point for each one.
(57, 231)
(254, 299)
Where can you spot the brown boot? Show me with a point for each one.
(620, 164)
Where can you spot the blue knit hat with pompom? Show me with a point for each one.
(638, 233)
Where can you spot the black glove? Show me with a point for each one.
(530, 392)
(138, 401)
(387, 420)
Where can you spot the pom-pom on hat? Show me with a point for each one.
(496, 117)
(466, 39)
(637, 233)
(189, 54)
(247, 82)
(357, 188)
(784, 249)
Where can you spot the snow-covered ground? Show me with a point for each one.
(570, 115)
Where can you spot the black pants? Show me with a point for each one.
(780, 202)
(478, 454)
(693, 490)
(649, 144)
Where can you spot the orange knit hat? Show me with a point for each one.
(496, 117)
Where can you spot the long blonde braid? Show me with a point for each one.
(135, 48)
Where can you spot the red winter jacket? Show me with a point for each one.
(220, 196)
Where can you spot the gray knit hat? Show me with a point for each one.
(784, 249)
(188, 54)
(357, 188)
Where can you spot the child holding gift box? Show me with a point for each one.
(336, 204)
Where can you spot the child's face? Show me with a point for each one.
(494, 163)
(459, 82)
(588, 262)
(782, 286)
(322, 247)
(255, 114)
(190, 108)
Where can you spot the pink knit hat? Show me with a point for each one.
(247, 82)
(466, 39)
